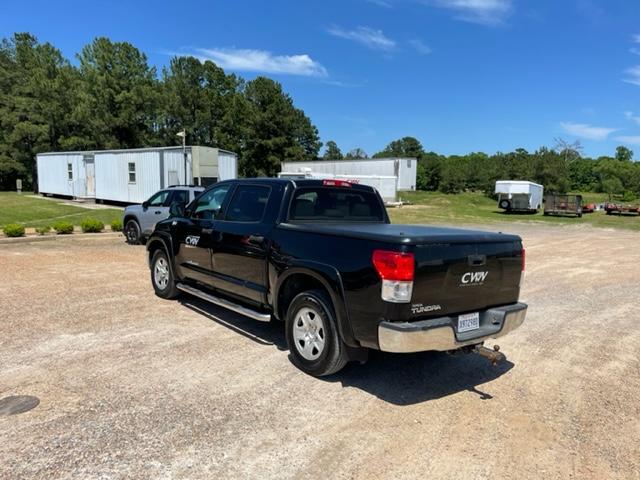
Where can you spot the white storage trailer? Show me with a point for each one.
(131, 176)
(519, 195)
(404, 169)
(386, 185)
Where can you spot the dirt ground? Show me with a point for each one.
(132, 386)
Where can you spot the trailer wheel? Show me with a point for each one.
(505, 204)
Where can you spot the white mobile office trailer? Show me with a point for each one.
(519, 195)
(404, 169)
(131, 176)
(386, 185)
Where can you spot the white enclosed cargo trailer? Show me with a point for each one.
(131, 176)
(386, 185)
(519, 195)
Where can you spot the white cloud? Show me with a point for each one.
(420, 47)
(633, 117)
(635, 38)
(484, 12)
(633, 75)
(247, 60)
(629, 139)
(587, 131)
(381, 3)
(366, 36)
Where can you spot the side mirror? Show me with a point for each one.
(176, 210)
(145, 204)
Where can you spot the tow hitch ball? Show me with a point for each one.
(494, 356)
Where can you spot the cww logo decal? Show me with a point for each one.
(474, 278)
(192, 240)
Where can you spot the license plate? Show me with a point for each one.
(468, 321)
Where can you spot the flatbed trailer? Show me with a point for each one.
(617, 209)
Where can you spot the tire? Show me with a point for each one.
(162, 278)
(505, 204)
(310, 315)
(132, 232)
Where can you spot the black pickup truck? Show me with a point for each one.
(322, 256)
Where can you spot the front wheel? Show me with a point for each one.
(312, 335)
(505, 204)
(132, 232)
(162, 277)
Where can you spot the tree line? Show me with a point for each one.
(112, 98)
(561, 169)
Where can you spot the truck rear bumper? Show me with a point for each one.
(441, 333)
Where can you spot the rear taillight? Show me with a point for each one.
(396, 269)
(336, 183)
(523, 259)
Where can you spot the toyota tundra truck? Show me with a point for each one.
(322, 257)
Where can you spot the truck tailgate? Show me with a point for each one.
(465, 277)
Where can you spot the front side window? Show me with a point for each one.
(132, 172)
(248, 203)
(158, 199)
(208, 205)
(70, 171)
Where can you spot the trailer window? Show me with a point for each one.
(335, 204)
(70, 171)
(132, 172)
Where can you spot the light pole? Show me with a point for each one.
(183, 134)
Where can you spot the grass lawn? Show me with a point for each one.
(38, 212)
(440, 208)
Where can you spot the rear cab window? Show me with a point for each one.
(322, 204)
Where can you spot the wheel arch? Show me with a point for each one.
(158, 242)
(130, 216)
(300, 278)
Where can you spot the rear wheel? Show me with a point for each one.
(505, 204)
(162, 277)
(132, 232)
(312, 335)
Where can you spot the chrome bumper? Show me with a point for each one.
(441, 333)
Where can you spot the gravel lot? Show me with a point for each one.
(132, 386)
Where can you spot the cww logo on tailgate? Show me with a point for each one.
(474, 278)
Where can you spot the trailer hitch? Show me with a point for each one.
(494, 356)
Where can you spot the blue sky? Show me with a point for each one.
(460, 75)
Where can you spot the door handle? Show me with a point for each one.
(477, 260)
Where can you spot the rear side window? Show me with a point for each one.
(248, 203)
(335, 204)
(180, 197)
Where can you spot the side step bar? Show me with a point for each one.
(221, 302)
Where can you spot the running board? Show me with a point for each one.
(247, 312)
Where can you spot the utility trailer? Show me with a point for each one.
(617, 209)
(519, 195)
(563, 205)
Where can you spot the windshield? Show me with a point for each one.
(312, 204)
